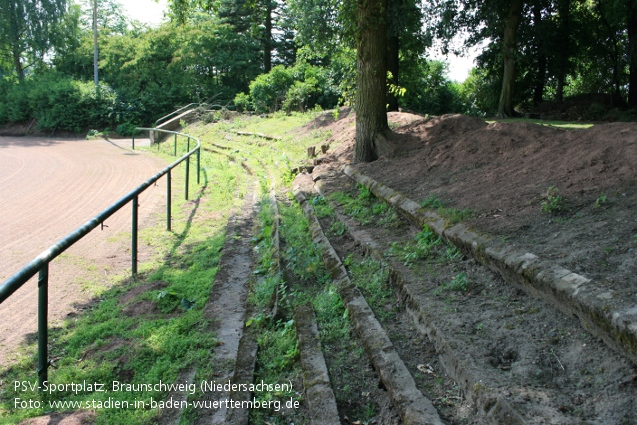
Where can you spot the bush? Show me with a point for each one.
(268, 90)
(430, 91)
(127, 129)
(59, 102)
(293, 89)
(243, 102)
(17, 107)
(298, 96)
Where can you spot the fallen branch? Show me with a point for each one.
(263, 136)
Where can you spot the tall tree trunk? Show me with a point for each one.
(14, 37)
(267, 38)
(615, 53)
(17, 64)
(372, 130)
(632, 52)
(394, 8)
(564, 7)
(540, 82)
(393, 48)
(505, 108)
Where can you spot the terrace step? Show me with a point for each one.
(412, 406)
(316, 381)
(496, 368)
(228, 312)
(600, 311)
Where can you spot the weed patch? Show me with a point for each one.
(460, 282)
(554, 202)
(366, 208)
(453, 215)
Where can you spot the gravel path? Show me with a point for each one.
(48, 188)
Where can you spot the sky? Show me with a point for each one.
(152, 13)
(147, 11)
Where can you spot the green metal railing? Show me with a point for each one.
(177, 112)
(40, 264)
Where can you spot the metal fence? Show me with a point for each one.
(40, 264)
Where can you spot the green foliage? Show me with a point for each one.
(29, 30)
(268, 91)
(600, 201)
(242, 102)
(16, 102)
(424, 247)
(61, 103)
(453, 215)
(554, 202)
(279, 347)
(428, 89)
(431, 201)
(366, 208)
(372, 277)
(298, 95)
(127, 129)
(293, 89)
(321, 207)
(480, 92)
(460, 282)
(301, 255)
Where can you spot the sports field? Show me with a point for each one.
(48, 188)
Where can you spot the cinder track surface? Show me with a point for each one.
(48, 188)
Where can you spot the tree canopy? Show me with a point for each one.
(266, 55)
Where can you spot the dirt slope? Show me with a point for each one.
(502, 172)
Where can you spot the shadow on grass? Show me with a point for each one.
(140, 331)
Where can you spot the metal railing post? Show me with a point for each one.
(40, 265)
(198, 164)
(168, 198)
(134, 236)
(43, 328)
(175, 154)
(187, 168)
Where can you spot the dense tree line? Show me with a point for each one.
(265, 55)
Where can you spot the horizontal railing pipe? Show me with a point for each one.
(183, 108)
(17, 280)
(41, 263)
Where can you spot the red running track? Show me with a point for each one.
(48, 188)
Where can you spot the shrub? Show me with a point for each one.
(127, 129)
(59, 102)
(268, 90)
(243, 102)
(294, 89)
(298, 96)
(17, 105)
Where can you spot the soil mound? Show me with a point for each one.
(502, 172)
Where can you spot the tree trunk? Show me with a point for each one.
(394, 8)
(632, 52)
(615, 53)
(267, 38)
(564, 11)
(17, 64)
(372, 130)
(505, 108)
(540, 82)
(14, 37)
(393, 47)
